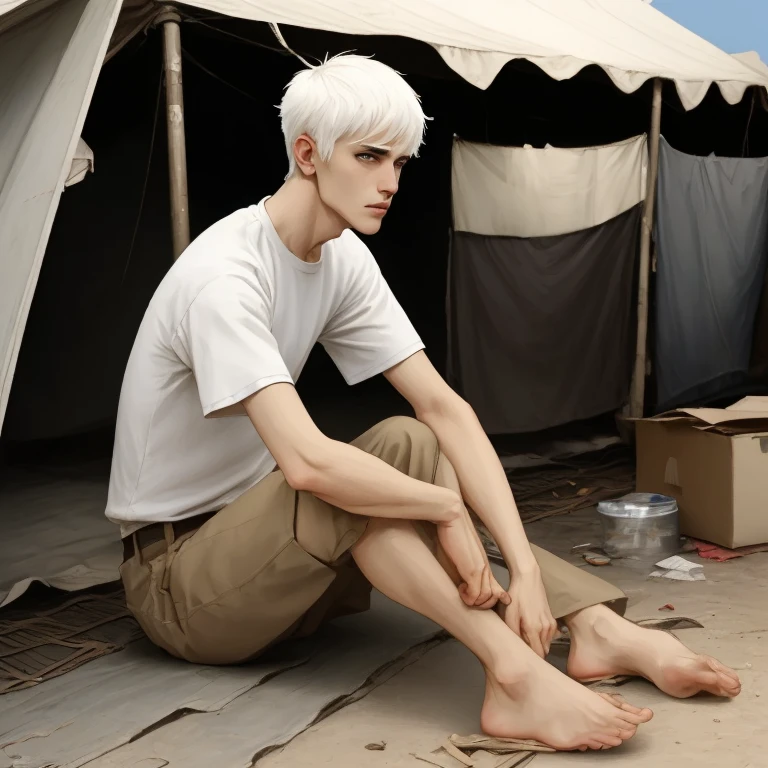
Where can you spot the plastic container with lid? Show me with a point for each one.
(640, 526)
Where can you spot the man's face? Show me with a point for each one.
(360, 180)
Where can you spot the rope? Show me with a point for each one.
(146, 175)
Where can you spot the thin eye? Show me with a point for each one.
(366, 155)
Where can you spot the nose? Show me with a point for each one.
(389, 182)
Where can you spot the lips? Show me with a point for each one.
(380, 206)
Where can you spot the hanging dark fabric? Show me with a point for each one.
(540, 329)
(712, 244)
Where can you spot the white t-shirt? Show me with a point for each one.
(237, 312)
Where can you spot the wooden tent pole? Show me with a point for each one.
(177, 151)
(637, 392)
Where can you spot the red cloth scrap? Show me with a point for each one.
(721, 554)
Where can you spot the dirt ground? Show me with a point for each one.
(441, 694)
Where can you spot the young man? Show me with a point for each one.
(243, 524)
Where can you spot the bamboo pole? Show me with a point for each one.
(177, 151)
(637, 392)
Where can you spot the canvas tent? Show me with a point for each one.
(78, 309)
(52, 52)
(106, 242)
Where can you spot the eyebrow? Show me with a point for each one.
(381, 152)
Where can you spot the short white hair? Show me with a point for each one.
(353, 96)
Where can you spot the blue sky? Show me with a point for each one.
(733, 25)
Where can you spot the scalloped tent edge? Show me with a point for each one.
(476, 40)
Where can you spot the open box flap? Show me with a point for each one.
(732, 420)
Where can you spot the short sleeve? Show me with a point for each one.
(370, 332)
(225, 339)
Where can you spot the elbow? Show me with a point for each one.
(454, 511)
(305, 470)
(450, 406)
(464, 408)
(300, 476)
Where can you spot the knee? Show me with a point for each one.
(407, 430)
(409, 445)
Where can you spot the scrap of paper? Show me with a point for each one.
(679, 569)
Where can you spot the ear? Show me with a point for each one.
(304, 153)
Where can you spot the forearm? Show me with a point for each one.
(484, 484)
(363, 484)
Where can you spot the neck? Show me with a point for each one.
(301, 219)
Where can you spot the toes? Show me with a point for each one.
(591, 744)
(637, 719)
(627, 733)
(728, 683)
(715, 665)
(729, 689)
(618, 701)
(644, 714)
(707, 679)
(611, 741)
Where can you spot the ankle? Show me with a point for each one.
(589, 619)
(509, 672)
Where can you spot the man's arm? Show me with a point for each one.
(339, 473)
(363, 484)
(485, 488)
(482, 479)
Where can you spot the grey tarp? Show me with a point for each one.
(540, 329)
(712, 239)
(141, 708)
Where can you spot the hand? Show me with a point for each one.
(528, 613)
(492, 587)
(479, 588)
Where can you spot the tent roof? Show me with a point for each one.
(630, 40)
(753, 61)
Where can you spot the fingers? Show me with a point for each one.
(533, 639)
(470, 590)
(488, 604)
(544, 639)
(548, 634)
(488, 592)
(538, 635)
(500, 593)
(464, 593)
(512, 619)
(485, 590)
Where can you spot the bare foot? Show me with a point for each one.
(604, 645)
(545, 705)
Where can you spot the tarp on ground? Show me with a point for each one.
(712, 250)
(529, 192)
(540, 329)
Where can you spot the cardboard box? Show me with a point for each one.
(715, 463)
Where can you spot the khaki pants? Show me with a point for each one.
(276, 563)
